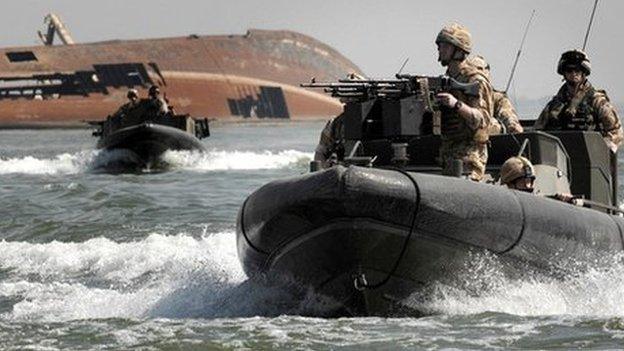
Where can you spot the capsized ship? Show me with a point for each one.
(373, 233)
(216, 76)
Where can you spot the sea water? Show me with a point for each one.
(90, 260)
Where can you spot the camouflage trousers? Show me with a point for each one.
(473, 156)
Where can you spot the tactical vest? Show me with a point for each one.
(455, 129)
(575, 114)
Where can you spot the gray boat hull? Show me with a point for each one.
(147, 142)
(370, 238)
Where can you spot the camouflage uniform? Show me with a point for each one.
(585, 109)
(466, 138)
(504, 118)
(332, 135)
(588, 109)
(505, 114)
(329, 143)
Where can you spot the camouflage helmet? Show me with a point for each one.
(132, 93)
(456, 35)
(574, 58)
(515, 168)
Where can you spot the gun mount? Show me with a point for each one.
(396, 123)
(397, 108)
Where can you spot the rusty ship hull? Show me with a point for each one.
(255, 75)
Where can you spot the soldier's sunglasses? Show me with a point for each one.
(572, 69)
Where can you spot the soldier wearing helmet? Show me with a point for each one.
(133, 95)
(465, 119)
(133, 100)
(518, 173)
(578, 105)
(504, 119)
(156, 104)
(331, 147)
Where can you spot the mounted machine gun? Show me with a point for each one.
(394, 110)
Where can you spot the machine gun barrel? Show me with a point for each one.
(335, 85)
(373, 81)
(445, 84)
(401, 86)
(342, 90)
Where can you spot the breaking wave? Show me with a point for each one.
(595, 291)
(100, 278)
(216, 160)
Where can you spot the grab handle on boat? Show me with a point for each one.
(359, 282)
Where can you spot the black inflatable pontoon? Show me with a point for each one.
(148, 138)
(368, 237)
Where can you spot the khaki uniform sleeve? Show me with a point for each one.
(482, 103)
(506, 113)
(495, 127)
(608, 117)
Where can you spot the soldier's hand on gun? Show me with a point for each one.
(446, 99)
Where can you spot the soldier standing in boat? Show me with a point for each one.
(330, 144)
(578, 105)
(133, 100)
(156, 104)
(504, 118)
(465, 119)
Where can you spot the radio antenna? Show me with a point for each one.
(591, 20)
(403, 65)
(513, 69)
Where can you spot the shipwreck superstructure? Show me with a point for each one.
(222, 76)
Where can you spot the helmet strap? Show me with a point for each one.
(458, 54)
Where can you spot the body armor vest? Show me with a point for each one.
(574, 114)
(455, 129)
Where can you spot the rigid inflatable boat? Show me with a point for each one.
(383, 225)
(145, 138)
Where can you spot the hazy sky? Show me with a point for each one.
(375, 35)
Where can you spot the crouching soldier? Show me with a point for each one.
(518, 173)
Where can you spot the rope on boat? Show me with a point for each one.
(360, 281)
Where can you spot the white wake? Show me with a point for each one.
(218, 160)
